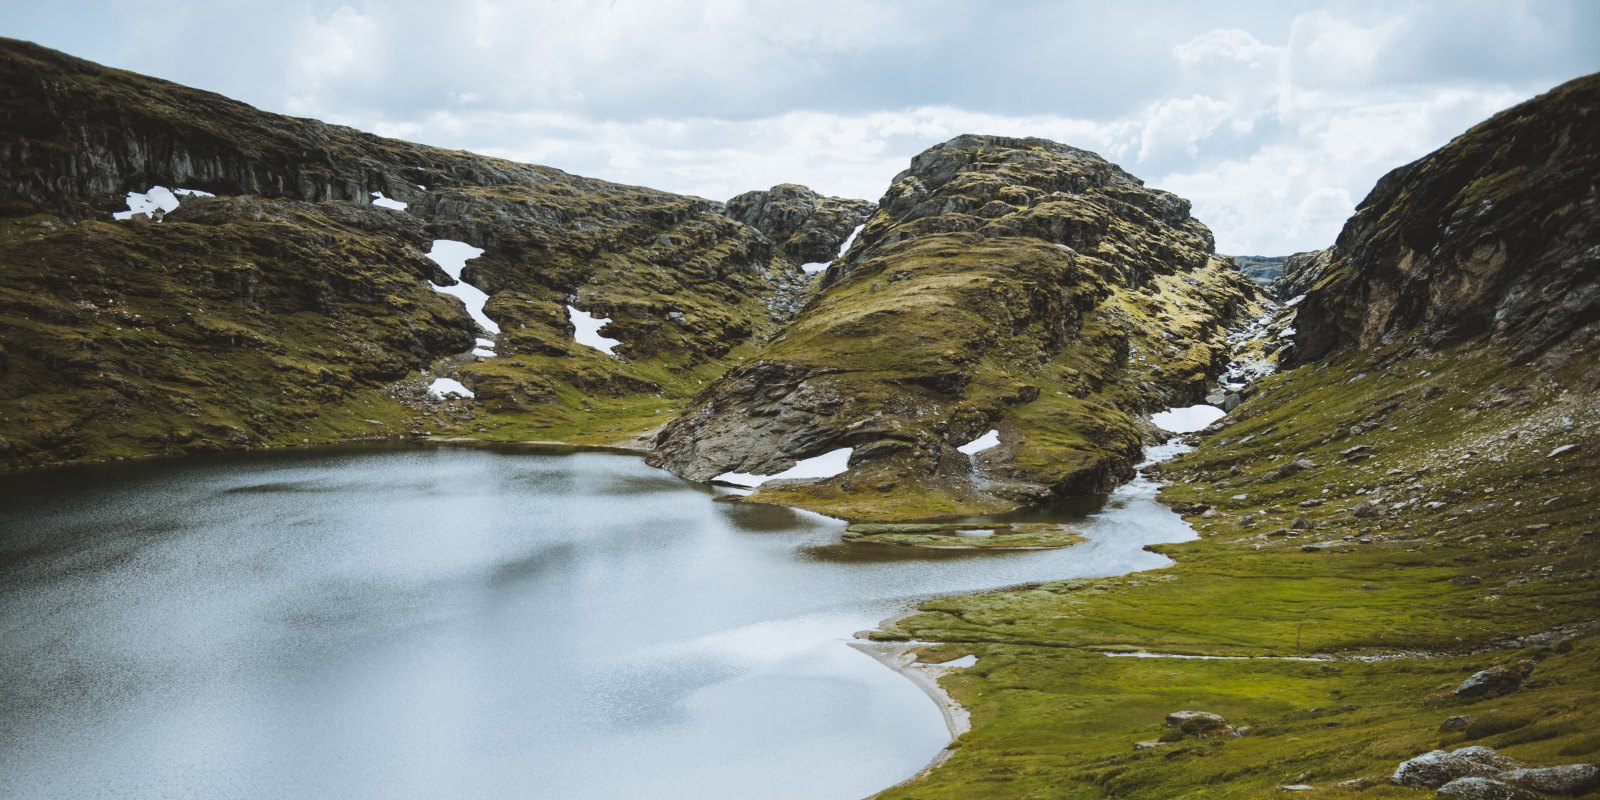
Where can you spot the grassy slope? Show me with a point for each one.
(1053, 718)
(885, 334)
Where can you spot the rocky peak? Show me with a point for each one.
(997, 186)
(1005, 284)
(1496, 235)
(807, 227)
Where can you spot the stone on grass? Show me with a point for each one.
(1437, 768)
(1456, 723)
(1483, 789)
(1199, 723)
(1568, 779)
(1493, 681)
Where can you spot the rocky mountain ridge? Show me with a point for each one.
(681, 283)
(1014, 284)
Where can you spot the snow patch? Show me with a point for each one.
(444, 387)
(982, 443)
(159, 197)
(814, 267)
(1188, 419)
(586, 330)
(826, 465)
(959, 663)
(379, 200)
(452, 256)
(850, 240)
(1293, 301)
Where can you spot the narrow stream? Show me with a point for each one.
(464, 622)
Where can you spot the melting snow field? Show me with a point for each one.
(484, 348)
(443, 387)
(158, 198)
(982, 443)
(452, 256)
(386, 202)
(586, 330)
(826, 465)
(1186, 420)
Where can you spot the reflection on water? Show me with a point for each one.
(392, 622)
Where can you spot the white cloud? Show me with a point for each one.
(1274, 118)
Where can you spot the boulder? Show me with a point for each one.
(1483, 789)
(1456, 723)
(1494, 681)
(1437, 768)
(1199, 723)
(1568, 779)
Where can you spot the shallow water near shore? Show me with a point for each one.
(464, 622)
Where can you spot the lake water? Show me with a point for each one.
(462, 622)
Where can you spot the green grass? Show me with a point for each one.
(1054, 717)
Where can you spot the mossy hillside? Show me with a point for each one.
(1509, 551)
(688, 290)
(230, 325)
(1015, 284)
(1070, 421)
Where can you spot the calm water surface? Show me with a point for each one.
(462, 623)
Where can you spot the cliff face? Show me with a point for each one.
(1495, 235)
(295, 251)
(807, 227)
(1014, 284)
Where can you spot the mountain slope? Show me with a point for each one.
(1009, 284)
(1413, 508)
(294, 252)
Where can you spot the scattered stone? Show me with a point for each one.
(1358, 452)
(1476, 788)
(1199, 723)
(1300, 524)
(1493, 681)
(1437, 768)
(1458, 722)
(1562, 449)
(1297, 787)
(1146, 745)
(1569, 779)
(1366, 508)
(1241, 497)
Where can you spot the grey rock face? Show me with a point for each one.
(806, 227)
(1494, 235)
(1436, 768)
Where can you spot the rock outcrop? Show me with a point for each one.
(1010, 284)
(1495, 235)
(1438, 767)
(807, 227)
(1301, 271)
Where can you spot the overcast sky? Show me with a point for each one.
(1275, 118)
